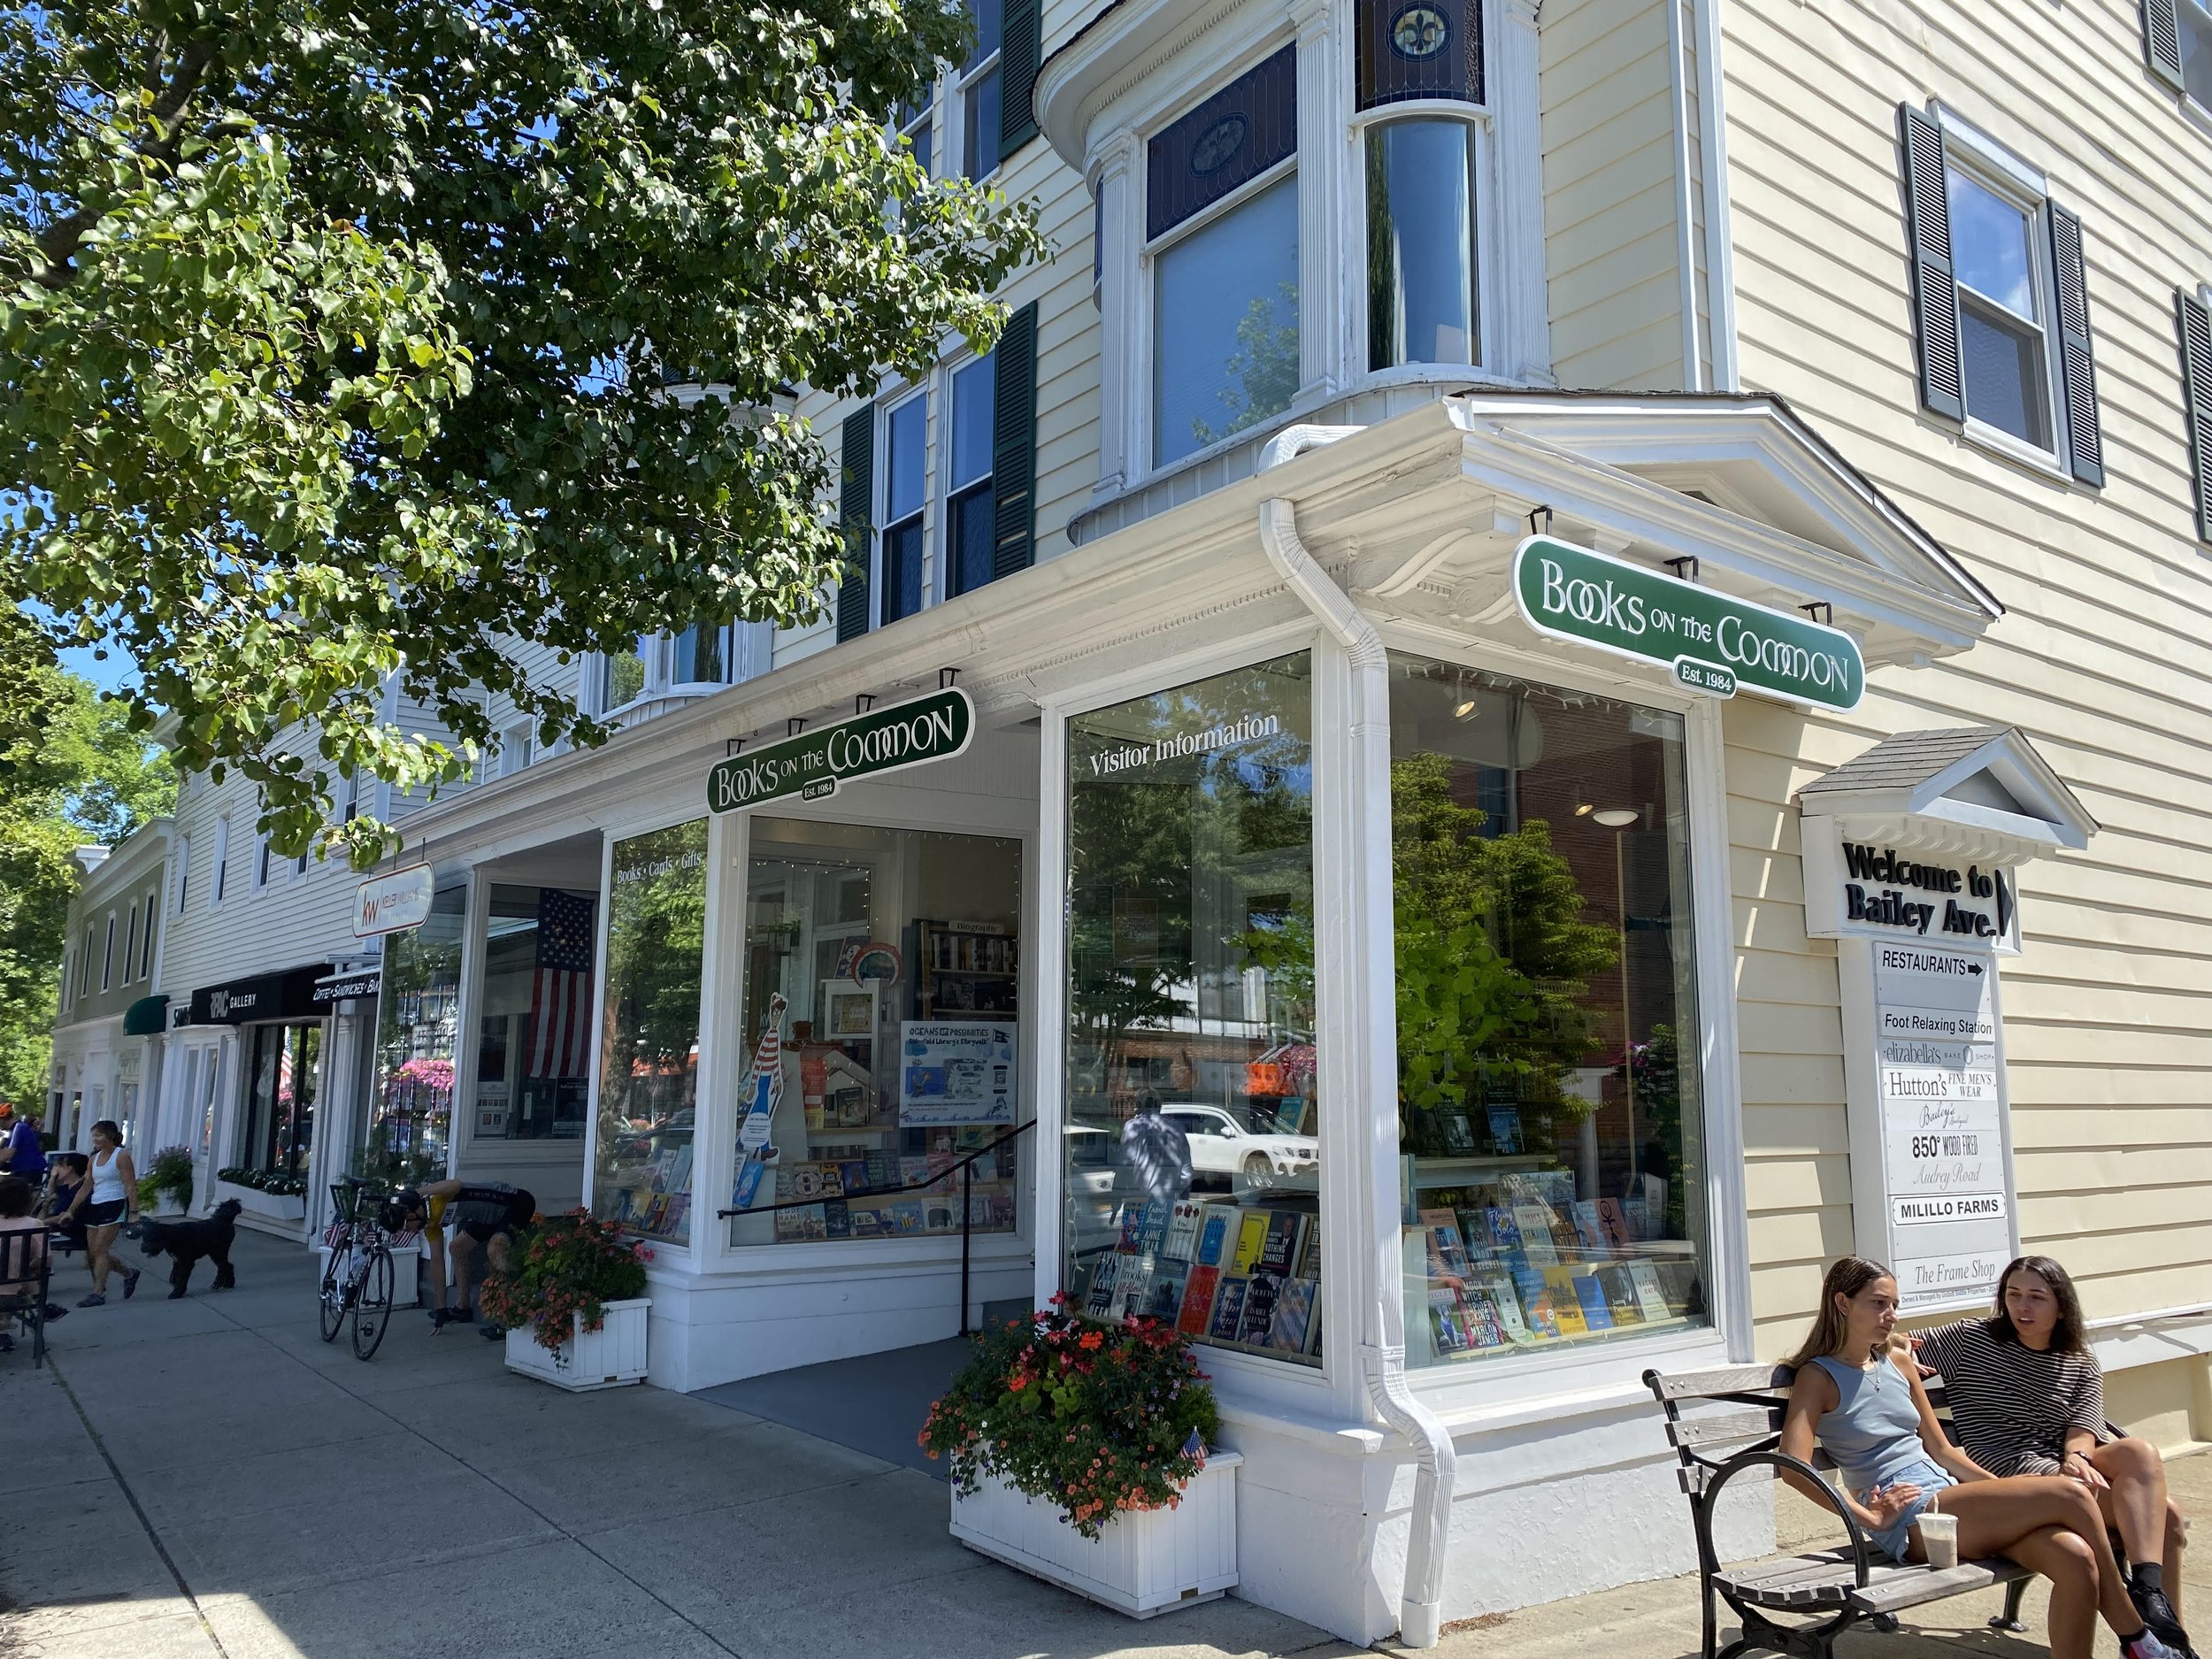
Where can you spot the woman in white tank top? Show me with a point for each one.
(103, 1204)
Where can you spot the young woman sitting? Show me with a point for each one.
(1863, 1403)
(2027, 1398)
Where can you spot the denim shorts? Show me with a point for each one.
(1893, 1541)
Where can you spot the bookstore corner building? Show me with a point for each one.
(1343, 915)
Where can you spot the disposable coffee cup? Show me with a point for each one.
(1939, 1537)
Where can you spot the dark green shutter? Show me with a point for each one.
(2077, 367)
(857, 506)
(1021, 45)
(2195, 323)
(2162, 39)
(1935, 295)
(1014, 445)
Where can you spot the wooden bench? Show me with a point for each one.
(1819, 1594)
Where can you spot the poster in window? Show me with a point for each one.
(955, 1072)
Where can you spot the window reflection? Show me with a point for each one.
(1192, 1162)
(1421, 243)
(1549, 1101)
(648, 1055)
(417, 1029)
(1226, 332)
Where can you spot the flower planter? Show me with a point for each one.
(609, 1357)
(1143, 1562)
(268, 1206)
(168, 1207)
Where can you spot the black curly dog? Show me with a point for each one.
(187, 1242)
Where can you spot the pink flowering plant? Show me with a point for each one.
(1094, 1419)
(565, 1267)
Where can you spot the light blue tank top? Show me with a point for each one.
(1874, 1432)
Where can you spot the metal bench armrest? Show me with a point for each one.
(1861, 1557)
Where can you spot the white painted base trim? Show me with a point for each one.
(291, 1208)
(1141, 1563)
(610, 1357)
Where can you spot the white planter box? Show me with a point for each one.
(606, 1358)
(268, 1206)
(1143, 1562)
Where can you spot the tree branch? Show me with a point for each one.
(60, 240)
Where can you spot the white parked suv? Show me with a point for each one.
(1220, 1145)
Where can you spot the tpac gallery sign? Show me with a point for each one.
(1714, 644)
(813, 763)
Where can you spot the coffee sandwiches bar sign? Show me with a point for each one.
(813, 765)
(1714, 644)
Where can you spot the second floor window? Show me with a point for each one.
(1222, 229)
(969, 506)
(905, 495)
(2002, 341)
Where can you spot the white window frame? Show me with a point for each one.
(218, 886)
(943, 487)
(1489, 254)
(2194, 107)
(107, 957)
(930, 513)
(518, 747)
(263, 863)
(1512, 292)
(146, 937)
(130, 943)
(1149, 306)
(946, 119)
(1997, 169)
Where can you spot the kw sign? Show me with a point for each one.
(813, 763)
(1713, 643)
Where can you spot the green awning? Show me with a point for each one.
(149, 1017)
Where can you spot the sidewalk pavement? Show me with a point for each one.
(206, 1479)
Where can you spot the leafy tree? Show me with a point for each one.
(71, 770)
(1493, 954)
(342, 343)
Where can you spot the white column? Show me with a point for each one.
(725, 1046)
(1511, 67)
(1323, 193)
(1123, 361)
(1047, 999)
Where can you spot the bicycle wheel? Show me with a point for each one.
(332, 1301)
(372, 1305)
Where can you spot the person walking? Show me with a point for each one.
(103, 1205)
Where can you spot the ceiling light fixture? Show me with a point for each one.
(1617, 817)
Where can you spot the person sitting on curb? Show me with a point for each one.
(2027, 1398)
(484, 1213)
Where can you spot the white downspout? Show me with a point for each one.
(1382, 1333)
(1720, 258)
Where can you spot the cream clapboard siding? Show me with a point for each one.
(2102, 660)
(1610, 223)
(1067, 380)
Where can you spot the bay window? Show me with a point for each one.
(1222, 221)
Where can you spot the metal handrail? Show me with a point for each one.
(964, 1168)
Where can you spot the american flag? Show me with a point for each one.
(560, 987)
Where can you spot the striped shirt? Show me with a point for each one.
(2011, 1407)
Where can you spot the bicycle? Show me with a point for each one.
(357, 1278)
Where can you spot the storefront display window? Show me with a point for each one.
(534, 1036)
(282, 1076)
(649, 1090)
(418, 1031)
(1192, 1162)
(1552, 1179)
(881, 1011)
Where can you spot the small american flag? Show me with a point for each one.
(560, 986)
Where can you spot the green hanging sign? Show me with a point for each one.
(813, 763)
(1713, 643)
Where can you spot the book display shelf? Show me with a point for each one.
(1238, 1276)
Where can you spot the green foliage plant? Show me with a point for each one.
(343, 348)
(1093, 1419)
(1492, 955)
(169, 1171)
(566, 1268)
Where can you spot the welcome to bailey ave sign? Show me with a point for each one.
(813, 763)
(1713, 643)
